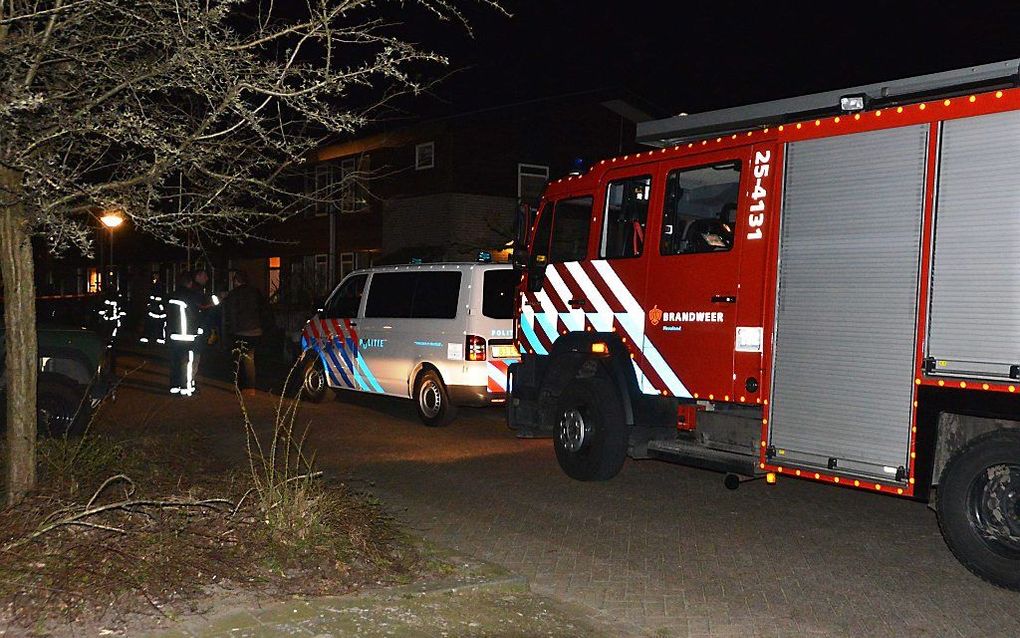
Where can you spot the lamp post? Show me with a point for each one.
(111, 219)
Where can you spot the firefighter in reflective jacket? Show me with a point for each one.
(184, 332)
(155, 314)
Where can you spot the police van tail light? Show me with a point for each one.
(474, 348)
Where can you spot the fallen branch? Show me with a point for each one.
(77, 517)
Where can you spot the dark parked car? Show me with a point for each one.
(73, 375)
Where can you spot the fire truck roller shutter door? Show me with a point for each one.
(847, 301)
(975, 297)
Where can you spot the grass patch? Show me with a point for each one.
(93, 545)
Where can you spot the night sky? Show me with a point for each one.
(694, 56)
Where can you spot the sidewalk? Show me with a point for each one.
(479, 599)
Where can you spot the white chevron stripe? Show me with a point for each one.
(574, 317)
(602, 318)
(635, 312)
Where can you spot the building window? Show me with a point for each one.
(319, 187)
(274, 279)
(346, 264)
(424, 156)
(531, 180)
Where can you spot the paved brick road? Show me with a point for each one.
(660, 550)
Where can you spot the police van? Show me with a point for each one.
(441, 334)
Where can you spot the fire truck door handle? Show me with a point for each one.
(576, 303)
(724, 299)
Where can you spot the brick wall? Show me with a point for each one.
(458, 225)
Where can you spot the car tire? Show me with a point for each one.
(978, 507)
(432, 400)
(314, 385)
(61, 408)
(590, 435)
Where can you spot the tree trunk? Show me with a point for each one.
(17, 270)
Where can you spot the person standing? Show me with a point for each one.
(184, 331)
(243, 309)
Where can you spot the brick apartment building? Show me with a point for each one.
(442, 189)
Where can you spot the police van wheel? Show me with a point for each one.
(590, 437)
(978, 505)
(432, 400)
(313, 379)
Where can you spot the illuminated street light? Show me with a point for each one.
(112, 219)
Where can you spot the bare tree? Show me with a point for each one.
(185, 115)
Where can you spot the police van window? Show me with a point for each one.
(498, 286)
(623, 229)
(390, 295)
(540, 245)
(347, 299)
(700, 210)
(436, 294)
(571, 225)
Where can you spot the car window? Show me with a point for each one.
(436, 294)
(346, 301)
(391, 295)
(625, 216)
(571, 226)
(498, 293)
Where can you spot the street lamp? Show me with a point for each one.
(111, 219)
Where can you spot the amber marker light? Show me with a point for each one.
(600, 347)
(770, 478)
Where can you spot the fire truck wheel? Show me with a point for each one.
(313, 379)
(591, 436)
(978, 505)
(432, 400)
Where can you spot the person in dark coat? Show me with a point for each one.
(184, 332)
(243, 309)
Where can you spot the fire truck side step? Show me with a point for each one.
(694, 454)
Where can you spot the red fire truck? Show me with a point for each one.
(824, 287)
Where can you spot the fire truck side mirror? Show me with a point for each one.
(522, 224)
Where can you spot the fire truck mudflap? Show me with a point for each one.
(847, 302)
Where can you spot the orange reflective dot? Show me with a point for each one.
(917, 381)
(857, 116)
(763, 444)
(899, 109)
(718, 139)
(761, 465)
(941, 382)
(726, 397)
(857, 483)
(817, 475)
(963, 384)
(766, 401)
(1012, 388)
(711, 397)
(922, 106)
(818, 122)
(741, 399)
(836, 479)
(984, 386)
(797, 472)
(998, 94)
(947, 102)
(691, 145)
(972, 98)
(765, 421)
(836, 119)
(734, 136)
(878, 487)
(899, 490)
(695, 395)
(799, 125)
(913, 455)
(780, 469)
(878, 113)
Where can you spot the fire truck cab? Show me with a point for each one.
(824, 287)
